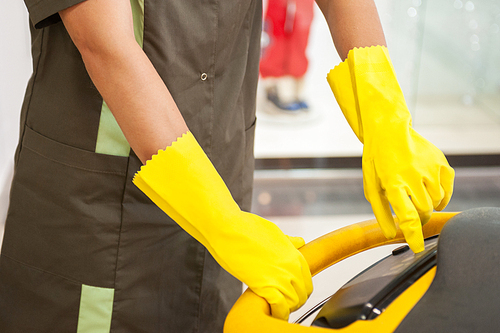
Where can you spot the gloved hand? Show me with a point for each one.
(182, 181)
(400, 168)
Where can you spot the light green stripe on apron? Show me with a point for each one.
(110, 138)
(96, 308)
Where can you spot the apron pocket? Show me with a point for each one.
(65, 210)
(36, 301)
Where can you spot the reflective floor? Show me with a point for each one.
(310, 203)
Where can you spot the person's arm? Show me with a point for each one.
(177, 175)
(352, 24)
(103, 32)
(401, 170)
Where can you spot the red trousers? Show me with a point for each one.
(287, 24)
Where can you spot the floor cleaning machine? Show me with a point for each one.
(452, 286)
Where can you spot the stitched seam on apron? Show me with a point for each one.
(209, 152)
(28, 104)
(72, 166)
(126, 181)
(201, 270)
(214, 64)
(41, 270)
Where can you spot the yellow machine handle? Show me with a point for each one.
(252, 313)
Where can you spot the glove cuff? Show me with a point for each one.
(364, 85)
(182, 181)
(376, 89)
(339, 79)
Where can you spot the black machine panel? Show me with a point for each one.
(371, 291)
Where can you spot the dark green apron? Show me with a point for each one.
(84, 250)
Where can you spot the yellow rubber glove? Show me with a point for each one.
(400, 168)
(182, 181)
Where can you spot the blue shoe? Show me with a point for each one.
(286, 107)
(303, 105)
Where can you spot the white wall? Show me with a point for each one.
(15, 69)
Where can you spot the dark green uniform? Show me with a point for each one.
(84, 250)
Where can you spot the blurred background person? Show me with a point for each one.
(284, 62)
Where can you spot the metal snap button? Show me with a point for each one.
(204, 76)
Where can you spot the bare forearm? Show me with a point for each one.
(352, 24)
(123, 75)
(139, 100)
